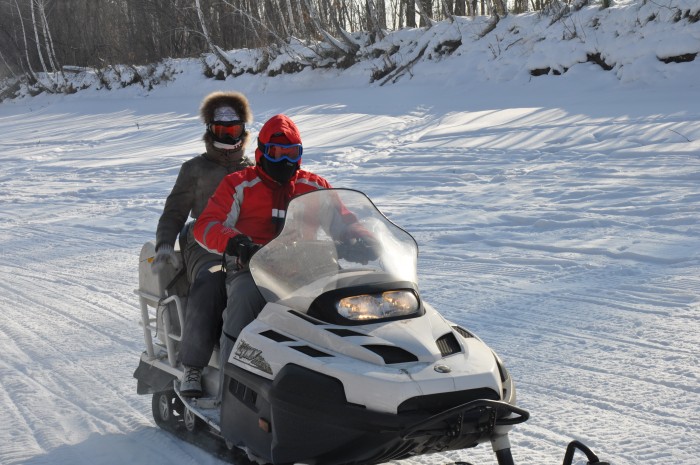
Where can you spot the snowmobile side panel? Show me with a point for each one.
(246, 410)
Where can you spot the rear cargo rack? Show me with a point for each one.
(162, 298)
(149, 321)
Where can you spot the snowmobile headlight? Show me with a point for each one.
(390, 304)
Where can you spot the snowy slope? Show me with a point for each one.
(556, 217)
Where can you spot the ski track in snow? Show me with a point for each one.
(618, 303)
(577, 262)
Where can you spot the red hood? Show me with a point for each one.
(280, 129)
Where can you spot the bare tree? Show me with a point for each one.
(212, 46)
(341, 15)
(9, 67)
(375, 23)
(50, 50)
(342, 47)
(448, 9)
(425, 10)
(30, 70)
(38, 36)
(381, 13)
(500, 8)
(293, 28)
(410, 9)
(47, 72)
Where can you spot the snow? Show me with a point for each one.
(557, 218)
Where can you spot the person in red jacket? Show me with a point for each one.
(245, 212)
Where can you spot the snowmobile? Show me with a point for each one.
(346, 364)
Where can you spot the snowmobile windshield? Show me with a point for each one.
(332, 239)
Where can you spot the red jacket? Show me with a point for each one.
(249, 202)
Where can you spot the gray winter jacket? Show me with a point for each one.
(198, 179)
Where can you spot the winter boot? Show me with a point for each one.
(191, 383)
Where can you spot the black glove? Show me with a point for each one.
(359, 245)
(242, 247)
(365, 249)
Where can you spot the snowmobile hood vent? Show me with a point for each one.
(391, 354)
(344, 332)
(277, 337)
(310, 351)
(448, 345)
(463, 332)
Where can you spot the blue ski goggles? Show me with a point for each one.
(278, 152)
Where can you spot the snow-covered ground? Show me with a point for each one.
(557, 218)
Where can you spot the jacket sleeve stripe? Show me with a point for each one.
(310, 182)
(204, 241)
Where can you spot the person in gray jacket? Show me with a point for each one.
(225, 115)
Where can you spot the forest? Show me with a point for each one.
(52, 37)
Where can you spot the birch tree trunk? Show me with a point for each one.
(410, 12)
(290, 18)
(501, 8)
(316, 22)
(447, 10)
(302, 25)
(51, 52)
(381, 13)
(212, 47)
(284, 28)
(30, 69)
(425, 19)
(373, 21)
(351, 45)
(38, 47)
(7, 65)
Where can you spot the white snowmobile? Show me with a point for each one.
(346, 364)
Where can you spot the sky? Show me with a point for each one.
(556, 216)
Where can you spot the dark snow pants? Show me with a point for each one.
(203, 317)
(244, 304)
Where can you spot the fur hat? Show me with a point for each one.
(235, 100)
(216, 100)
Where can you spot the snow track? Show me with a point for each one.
(566, 239)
